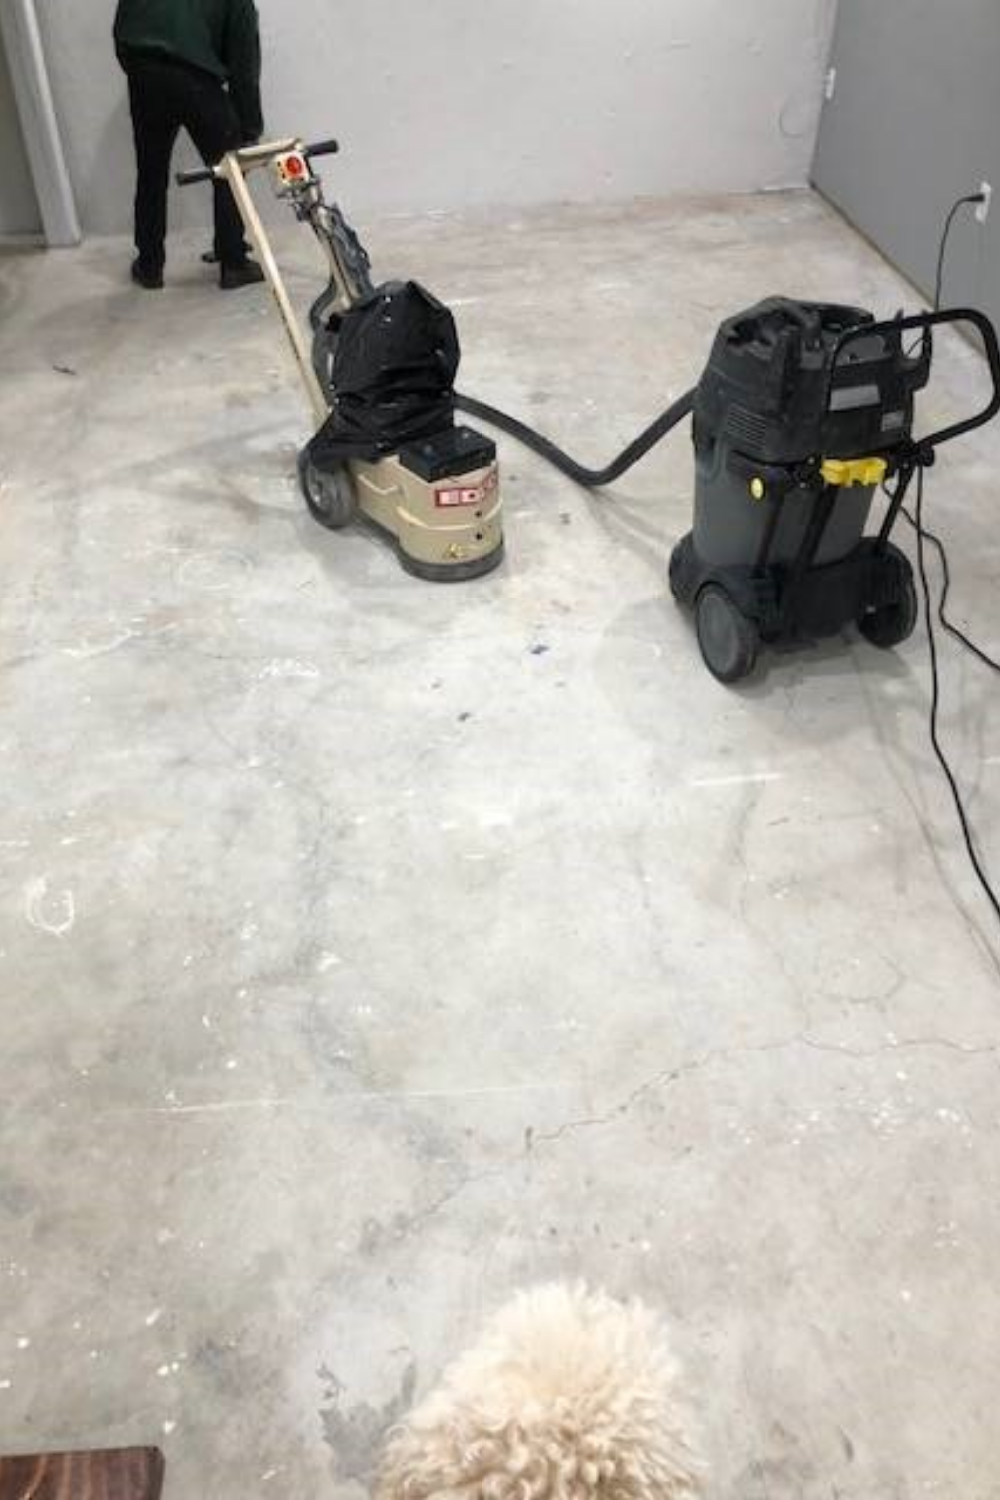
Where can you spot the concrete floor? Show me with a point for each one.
(371, 949)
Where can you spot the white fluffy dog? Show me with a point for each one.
(568, 1396)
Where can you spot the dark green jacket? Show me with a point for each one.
(220, 37)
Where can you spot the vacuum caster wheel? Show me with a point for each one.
(893, 623)
(729, 642)
(329, 493)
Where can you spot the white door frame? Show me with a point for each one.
(39, 124)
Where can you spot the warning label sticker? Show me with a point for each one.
(477, 495)
(446, 499)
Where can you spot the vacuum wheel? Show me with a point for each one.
(729, 642)
(893, 623)
(329, 493)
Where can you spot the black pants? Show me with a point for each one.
(165, 98)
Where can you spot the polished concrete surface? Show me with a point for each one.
(371, 948)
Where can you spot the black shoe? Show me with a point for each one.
(247, 273)
(150, 281)
(211, 257)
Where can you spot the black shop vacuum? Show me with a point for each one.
(805, 410)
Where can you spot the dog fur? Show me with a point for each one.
(568, 1395)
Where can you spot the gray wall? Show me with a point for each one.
(444, 103)
(914, 123)
(18, 205)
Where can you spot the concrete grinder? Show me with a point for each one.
(378, 366)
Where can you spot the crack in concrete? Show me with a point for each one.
(408, 1223)
(667, 1077)
(664, 1079)
(919, 1043)
(404, 1225)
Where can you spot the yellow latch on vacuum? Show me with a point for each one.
(844, 472)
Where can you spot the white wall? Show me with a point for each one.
(18, 205)
(441, 103)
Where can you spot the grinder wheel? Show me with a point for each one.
(329, 493)
(729, 642)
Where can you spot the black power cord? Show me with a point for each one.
(945, 764)
(953, 212)
(947, 623)
(966, 200)
(916, 520)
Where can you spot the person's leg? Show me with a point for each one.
(155, 128)
(211, 122)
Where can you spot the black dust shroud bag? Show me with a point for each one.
(394, 367)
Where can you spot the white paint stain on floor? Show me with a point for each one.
(749, 778)
(48, 910)
(289, 669)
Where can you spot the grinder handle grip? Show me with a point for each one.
(201, 174)
(208, 174)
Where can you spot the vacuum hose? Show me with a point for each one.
(591, 479)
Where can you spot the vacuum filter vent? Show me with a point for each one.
(779, 392)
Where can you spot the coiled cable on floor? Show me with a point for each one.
(591, 479)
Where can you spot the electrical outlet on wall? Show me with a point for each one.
(983, 209)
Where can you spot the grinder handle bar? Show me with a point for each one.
(925, 322)
(209, 174)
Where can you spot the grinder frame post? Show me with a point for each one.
(234, 169)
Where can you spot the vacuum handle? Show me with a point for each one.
(323, 148)
(924, 322)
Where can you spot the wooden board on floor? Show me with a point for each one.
(117, 1474)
